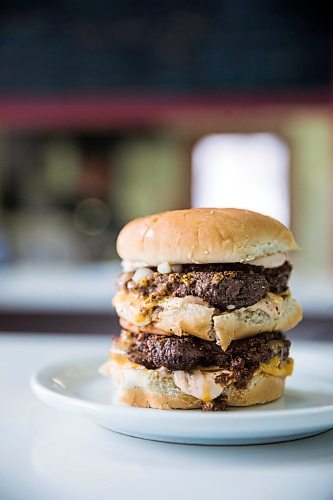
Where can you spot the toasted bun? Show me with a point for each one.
(185, 316)
(147, 389)
(265, 389)
(203, 235)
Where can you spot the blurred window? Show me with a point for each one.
(243, 171)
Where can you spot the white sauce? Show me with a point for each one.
(270, 261)
(198, 384)
(141, 273)
(130, 266)
(164, 268)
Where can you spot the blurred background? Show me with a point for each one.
(114, 109)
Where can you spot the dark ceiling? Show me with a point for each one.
(164, 47)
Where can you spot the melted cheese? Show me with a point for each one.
(135, 308)
(199, 384)
(118, 350)
(278, 369)
(122, 360)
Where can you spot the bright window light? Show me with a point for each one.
(242, 171)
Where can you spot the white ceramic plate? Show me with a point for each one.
(306, 409)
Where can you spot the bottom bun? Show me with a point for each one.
(261, 389)
(137, 386)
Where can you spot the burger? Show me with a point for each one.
(203, 302)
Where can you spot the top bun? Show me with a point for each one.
(203, 236)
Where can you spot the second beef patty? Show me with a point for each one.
(188, 353)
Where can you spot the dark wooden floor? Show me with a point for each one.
(312, 328)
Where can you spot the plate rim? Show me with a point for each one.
(44, 392)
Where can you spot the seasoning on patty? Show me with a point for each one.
(221, 285)
(187, 353)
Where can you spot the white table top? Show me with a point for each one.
(46, 454)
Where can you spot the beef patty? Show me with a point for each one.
(223, 286)
(187, 353)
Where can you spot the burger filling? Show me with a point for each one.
(205, 327)
(223, 286)
(187, 356)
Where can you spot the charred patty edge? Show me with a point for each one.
(223, 286)
(241, 359)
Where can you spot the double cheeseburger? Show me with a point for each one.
(202, 303)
